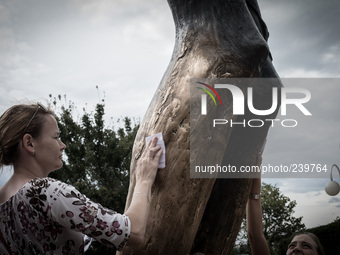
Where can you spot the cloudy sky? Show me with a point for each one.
(123, 47)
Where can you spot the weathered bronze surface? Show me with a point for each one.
(214, 39)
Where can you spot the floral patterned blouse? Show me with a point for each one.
(47, 216)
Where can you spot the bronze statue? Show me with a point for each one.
(214, 39)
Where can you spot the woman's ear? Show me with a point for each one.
(28, 143)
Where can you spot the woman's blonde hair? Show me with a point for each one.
(17, 121)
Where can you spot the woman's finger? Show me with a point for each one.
(151, 143)
(153, 151)
(158, 154)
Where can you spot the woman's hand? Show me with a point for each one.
(138, 210)
(148, 163)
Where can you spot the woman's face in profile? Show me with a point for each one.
(302, 244)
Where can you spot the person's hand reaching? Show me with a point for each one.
(148, 163)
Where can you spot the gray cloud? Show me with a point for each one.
(300, 185)
(52, 47)
(334, 200)
(304, 38)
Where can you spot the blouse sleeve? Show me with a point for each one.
(75, 211)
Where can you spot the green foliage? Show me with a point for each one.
(97, 157)
(278, 220)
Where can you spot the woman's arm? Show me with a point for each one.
(258, 243)
(138, 210)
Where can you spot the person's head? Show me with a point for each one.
(306, 244)
(26, 126)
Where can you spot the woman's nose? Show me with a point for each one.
(62, 145)
(297, 249)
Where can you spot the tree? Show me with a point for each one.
(97, 157)
(278, 220)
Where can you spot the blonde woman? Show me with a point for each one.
(40, 215)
